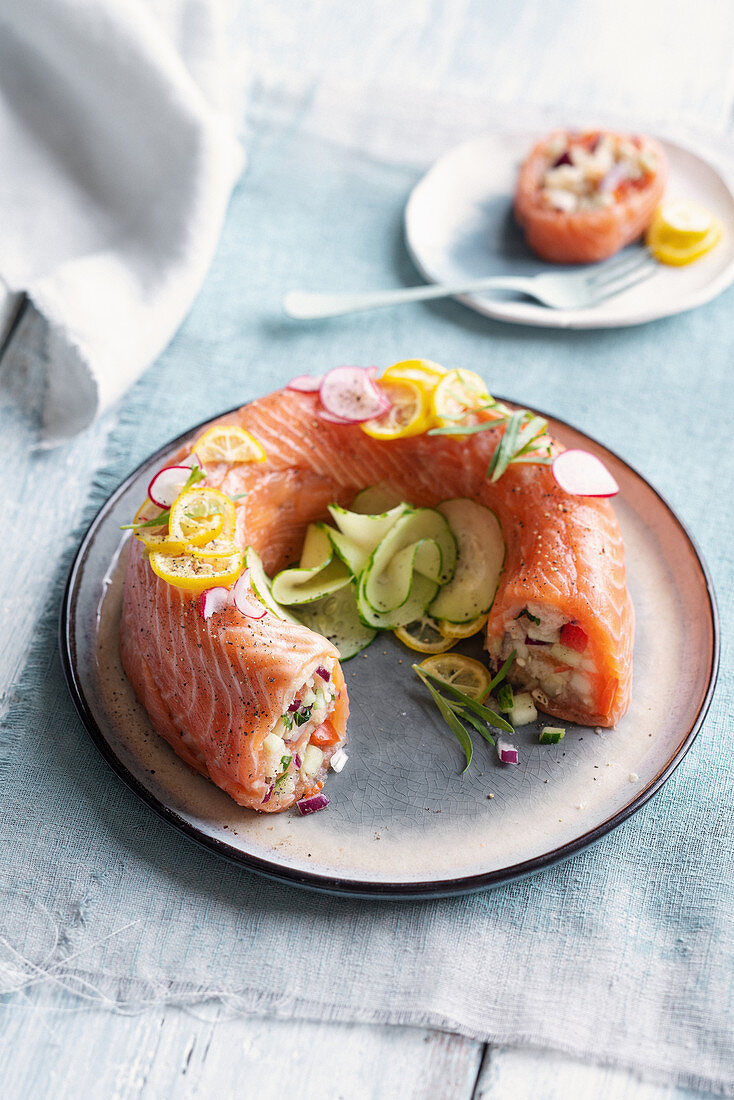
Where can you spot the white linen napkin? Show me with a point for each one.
(116, 176)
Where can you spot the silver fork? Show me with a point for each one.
(562, 290)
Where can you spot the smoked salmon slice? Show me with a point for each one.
(581, 197)
(218, 690)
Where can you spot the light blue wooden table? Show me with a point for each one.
(665, 59)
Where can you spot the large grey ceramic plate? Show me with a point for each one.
(459, 226)
(403, 821)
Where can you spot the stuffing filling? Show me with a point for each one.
(552, 658)
(592, 171)
(289, 754)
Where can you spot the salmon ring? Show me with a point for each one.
(588, 233)
(217, 690)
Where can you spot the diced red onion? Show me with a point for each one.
(507, 752)
(323, 673)
(246, 604)
(214, 599)
(295, 705)
(338, 760)
(305, 383)
(534, 641)
(351, 393)
(312, 805)
(563, 159)
(167, 484)
(298, 760)
(583, 474)
(268, 795)
(616, 175)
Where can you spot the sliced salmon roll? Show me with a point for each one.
(581, 197)
(257, 705)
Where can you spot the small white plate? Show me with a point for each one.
(459, 225)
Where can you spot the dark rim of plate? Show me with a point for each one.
(347, 886)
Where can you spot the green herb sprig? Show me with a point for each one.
(461, 709)
(520, 442)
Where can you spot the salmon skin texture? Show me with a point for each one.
(587, 235)
(215, 689)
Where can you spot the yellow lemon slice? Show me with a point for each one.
(459, 392)
(462, 630)
(424, 636)
(228, 443)
(461, 672)
(423, 371)
(201, 514)
(193, 574)
(681, 231)
(408, 415)
(221, 547)
(155, 537)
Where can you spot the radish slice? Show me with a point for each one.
(246, 604)
(583, 475)
(350, 392)
(507, 752)
(305, 383)
(167, 484)
(324, 415)
(213, 599)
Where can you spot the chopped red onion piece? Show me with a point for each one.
(295, 705)
(268, 795)
(167, 484)
(563, 159)
(507, 752)
(305, 383)
(298, 760)
(214, 599)
(616, 175)
(534, 641)
(311, 805)
(351, 393)
(323, 673)
(246, 604)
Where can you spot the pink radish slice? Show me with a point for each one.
(214, 599)
(246, 604)
(583, 475)
(507, 752)
(167, 484)
(351, 393)
(324, 415)
(305, 383)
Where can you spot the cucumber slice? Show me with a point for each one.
(336, 617)
(387, 583)
(472, 589)
(421, 593)
(375, 499)
(262, 586)
(318, 574)
(366, 530)
(354, 557)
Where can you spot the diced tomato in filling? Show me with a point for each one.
(324, 735)
(574, 637)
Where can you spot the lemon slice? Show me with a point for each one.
(461, 630)
(682, 231)
(228, 443)
(201, 514)
(221, 547)
(458, 392)
(424, 636)
(155, 538)
(194, 574)
(461, 672)
(423, 371)
(409, 413)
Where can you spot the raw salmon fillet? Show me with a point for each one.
(217, 689)
(586, 235)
